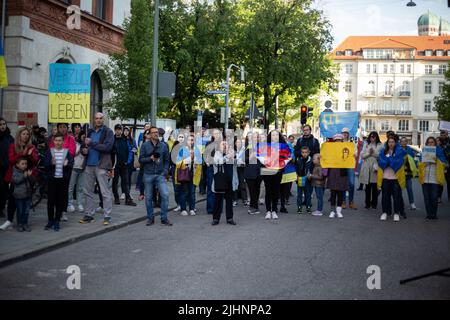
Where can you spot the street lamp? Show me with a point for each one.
(411, 4)
(227, 88)
(154, 105)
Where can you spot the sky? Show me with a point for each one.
(377, 17)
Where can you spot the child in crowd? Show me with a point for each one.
(337, 182)
(318, 183)
(304, 167)
(58, 163)
(22, 182)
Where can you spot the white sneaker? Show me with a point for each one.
(70, 208)
(268, 215)
(64, 217)
(192, 213)
(383, 217)
(6, 225)
(80, 208)
(184, 213)
(396, 218)
(274, 215)
(317, 213)
(413, 206)
(234, 203)
(339, 212)
(122, 197)
(178, 208)
(332, 214)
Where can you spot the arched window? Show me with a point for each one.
(372, 87)
(389, 88)
(96, 95)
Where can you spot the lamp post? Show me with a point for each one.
(227, 88)
(154, 105)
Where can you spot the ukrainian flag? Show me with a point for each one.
(289, 174)
(3, 74)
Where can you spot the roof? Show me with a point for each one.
(419, 43)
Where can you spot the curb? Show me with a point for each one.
(76, 239)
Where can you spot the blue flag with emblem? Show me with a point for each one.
(333, 122)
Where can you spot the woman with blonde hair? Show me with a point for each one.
(22, 147)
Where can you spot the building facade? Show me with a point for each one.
(392, 81)
(37, 35)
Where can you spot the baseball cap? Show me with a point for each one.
(346, 130)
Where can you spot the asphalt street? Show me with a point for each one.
(296, 257)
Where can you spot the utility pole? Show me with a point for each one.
(227, 88)
(154, 106)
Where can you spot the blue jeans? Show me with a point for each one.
(430, 196)
(150, 180)
(23, 210)
(409, 189)
(307, 192)
(210, 196)
(187, 194)
(319, 194)
(351, 185)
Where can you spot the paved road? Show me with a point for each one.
(296, 257)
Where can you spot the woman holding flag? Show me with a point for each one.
(274, 156)
(431, 177)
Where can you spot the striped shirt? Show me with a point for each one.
(59, 163)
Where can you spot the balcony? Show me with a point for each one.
(387, 112)
(404, 94)
(388, 94)
(369, 94)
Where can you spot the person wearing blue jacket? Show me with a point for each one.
(58, 164)
(304, 166)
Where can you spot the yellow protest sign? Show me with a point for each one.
(337, 155)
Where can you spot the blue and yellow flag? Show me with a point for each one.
(3, 73)
(69, 93)
(289, 174)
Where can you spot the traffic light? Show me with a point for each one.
(303, 114)
(310, 110)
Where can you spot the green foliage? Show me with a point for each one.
(442, 102)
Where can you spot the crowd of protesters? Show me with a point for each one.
(82, 168)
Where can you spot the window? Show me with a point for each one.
(428, 53)
(424, 125)
(372, 87)
(367, 68)
(348, 86)
(387, 107)
(349, 68)
(439, 53)
(385, 125)
(100, 9)
(389, 88)
(408, 68)
(348, 52)
(448, 52)
(371, 107)
(374, 68)
(385, 68)
(392, 68)
(405, 86)
(428, 87)
(402, 68)
(442, 69)
(428, 69)
(441, 87)
(403, 125)
(404, 107)
(427, 106)
(370, 125)
(348, 105)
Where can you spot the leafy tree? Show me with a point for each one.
(442, 102)
(127, 73)
(284, 46)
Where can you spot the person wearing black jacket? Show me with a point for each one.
(122, 151)
(5, 141)
(252, 171)
(307, 140)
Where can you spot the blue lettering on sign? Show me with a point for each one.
(69, 78)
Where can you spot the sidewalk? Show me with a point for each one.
(16, 246)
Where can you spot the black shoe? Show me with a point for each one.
(26, 228)
(130, 202)
(283, 210)
(308, 210)
(86, 219)
(231, 221)
(150, 222)
(167, 223)
(49, 225)
(116, 201)
(299, 210)
(215, 222)
(56, 226)
(20, 228)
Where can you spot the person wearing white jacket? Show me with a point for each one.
(224, 162)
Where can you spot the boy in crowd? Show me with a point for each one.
(22, 182)
(304, 168)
